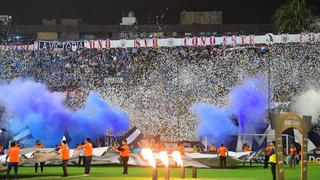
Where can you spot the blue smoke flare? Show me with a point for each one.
(29, 104)
(214, 123)
(248, 105)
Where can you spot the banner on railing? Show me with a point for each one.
(56, 45)
(204, 41)
(234, 40)
(26, 47)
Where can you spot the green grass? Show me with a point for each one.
(145, 173)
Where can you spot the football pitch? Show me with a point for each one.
(145, 173)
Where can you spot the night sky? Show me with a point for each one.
(110, 11)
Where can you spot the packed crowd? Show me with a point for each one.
(157, 86)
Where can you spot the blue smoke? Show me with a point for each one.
(214, 123)
(29, 104)
(249, 103)
(245, 113)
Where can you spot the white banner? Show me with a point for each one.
(57, 45)
(8, 47)
(204, 41)
(234, 40)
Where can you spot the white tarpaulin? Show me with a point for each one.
(104, 156)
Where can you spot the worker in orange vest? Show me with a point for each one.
(223, 152)
(124, 155)
(267, 155)
(87, 156)
(13, 155)
(212, 148)
(247, 149)
(293, 155)
(65, 156)
(38, 145)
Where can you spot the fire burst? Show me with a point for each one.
(163, 156)
(177, 158)
(148, 155)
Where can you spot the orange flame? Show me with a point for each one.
(148, 155)
(163, 156)
(177, 157)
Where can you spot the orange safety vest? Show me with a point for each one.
(293, 151)
(39, 146)
(268, 149)
(125, 152)
(65, 152)
(88, 149)
(223, 151)
(212, 148)
(13, 154)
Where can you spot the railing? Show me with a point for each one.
(218, 28)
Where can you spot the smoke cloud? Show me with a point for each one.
(214, 122)
(249, 103)
(29, 104)
(245, 113)
(308, 103)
